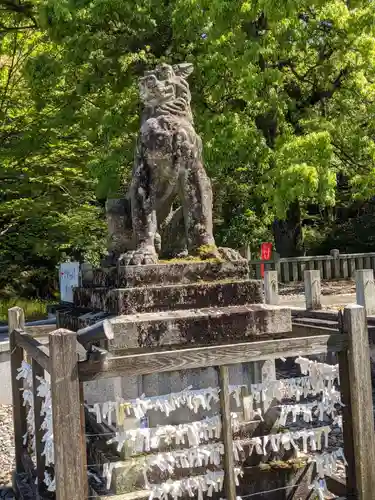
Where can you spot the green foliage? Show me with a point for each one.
(33, 309)
(48, 209)
(283, 96)
(357, 234)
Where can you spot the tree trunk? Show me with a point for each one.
(288, 233)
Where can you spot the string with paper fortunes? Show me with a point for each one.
(162, 450)
(43, 391)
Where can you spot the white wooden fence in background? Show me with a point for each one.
(333, 266)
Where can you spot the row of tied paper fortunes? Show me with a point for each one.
(43, 391)
(203, 398)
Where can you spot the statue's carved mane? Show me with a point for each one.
(165, 91)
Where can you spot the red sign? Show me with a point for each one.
(265, 254)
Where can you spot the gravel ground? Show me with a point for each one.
(339, 287)
(6, 451)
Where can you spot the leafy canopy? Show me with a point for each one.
(283, 96)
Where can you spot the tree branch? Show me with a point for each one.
(6, 29)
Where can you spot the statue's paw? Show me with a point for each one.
(229, 254)
(126, 258)
(142, 256)
(183, 254)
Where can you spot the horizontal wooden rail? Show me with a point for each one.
(33, 348)
(216, 355)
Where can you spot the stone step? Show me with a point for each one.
(199, 326)
(127, 475)
(168, 274)
(167, 297)
(135, 495)
(316, 322)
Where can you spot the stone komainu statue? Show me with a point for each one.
(168, 164)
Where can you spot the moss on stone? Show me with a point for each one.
(294, 463)
(206, 252)
(190, 259)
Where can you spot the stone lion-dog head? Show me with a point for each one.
(166, 84)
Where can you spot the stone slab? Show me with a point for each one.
(170, 273)
(136, 495)
(127, 476)
(199, 326)
(169, 297)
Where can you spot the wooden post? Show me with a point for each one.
(16, 321)
(335, 263)
(271, 288)
(347, 424)
(312, 290)
(38, 371)
(355, 326)
(229, 476)
(295, 270)
(83, 435)
(365, 290)
(70, 473)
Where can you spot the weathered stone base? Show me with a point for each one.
(199, 326)
(162, 298)
(169, 274)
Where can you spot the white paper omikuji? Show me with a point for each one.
(43, 391)
(285, 440)
(196, 486)
(319, 487)
(326, 463)
(291, 388)
(194, 399)
(198, 456)
(193, 433)
(319, 371)
(49, 482)
(25, 372)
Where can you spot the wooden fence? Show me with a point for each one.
(364, 281)
(59, 357)
(333, 266)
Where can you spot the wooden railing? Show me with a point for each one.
(333, 266)
(59, 358)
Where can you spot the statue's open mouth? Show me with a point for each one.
(159, 93)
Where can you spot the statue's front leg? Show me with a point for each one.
(196, 194)
(143, 203)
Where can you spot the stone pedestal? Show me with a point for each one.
(173, 305)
